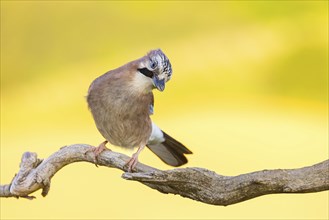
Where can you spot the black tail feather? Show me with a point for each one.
(170, 151)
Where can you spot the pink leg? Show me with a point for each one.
(134, 159)
(98, 150)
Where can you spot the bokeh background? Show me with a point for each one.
(249, 92)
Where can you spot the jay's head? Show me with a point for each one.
(156, 68)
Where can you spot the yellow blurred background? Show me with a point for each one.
(249, 92)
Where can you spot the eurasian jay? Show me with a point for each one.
(121, 102)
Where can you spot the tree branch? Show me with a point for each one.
(195, 183)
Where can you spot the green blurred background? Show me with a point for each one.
(249, 92)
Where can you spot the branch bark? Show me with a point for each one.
(195, 183)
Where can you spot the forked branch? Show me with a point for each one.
(195, 183)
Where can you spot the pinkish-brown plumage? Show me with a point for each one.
(120, 113)
(121, 102)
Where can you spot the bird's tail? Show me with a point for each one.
(170, 151)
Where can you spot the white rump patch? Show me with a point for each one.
(156, 135)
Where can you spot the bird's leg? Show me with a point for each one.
(98, 150)
(134, 159)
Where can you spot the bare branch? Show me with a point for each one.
(194, 183)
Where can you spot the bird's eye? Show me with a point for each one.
(153, 64)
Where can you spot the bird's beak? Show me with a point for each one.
(158, 83)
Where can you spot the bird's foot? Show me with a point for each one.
(132, 162)
(97, 151)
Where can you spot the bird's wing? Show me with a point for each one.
(167, 148)
(152, 105)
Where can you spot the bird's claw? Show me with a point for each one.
(131, 164)
(97, 151)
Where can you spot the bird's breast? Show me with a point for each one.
(121, 117)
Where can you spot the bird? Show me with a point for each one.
(121, 102)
